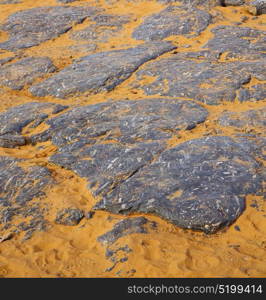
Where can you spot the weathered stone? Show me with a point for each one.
(129, 134)
(199, 184)
(15, 119)
(25, 71)
(12, 141)
(256, 145)
(194, 3)
(120, 148)
(6, 60)
(233, 2)
(66, 1)
(174, 20)
(104, 26)
(257, 7)
(125, 227)
(248, 119)
(69, 216)
(89, 215)
(238, 42)
(10, 1)
(31, 27)
(100, 72)
(256, 92)
(202, 80)
(19, 187)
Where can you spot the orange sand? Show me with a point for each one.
(167, 252)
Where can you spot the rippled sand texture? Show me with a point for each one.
(142, 244)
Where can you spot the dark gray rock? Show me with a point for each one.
(66, 1)
(10, 1)
(6, 60)
(31, 27)
(199, 184)
(244, 120)
(233, 2)
(123, 122)
(69, 216)
(102, 28)
(126, 227)
(257, 7)
(25, 71)
(12, 141)
(203, 79)
(107, 143)
(100, 72)
(256, 92)
(238, 42)
(121, 149)
(15, 119)
(21, 189)
(174, 20)
(89, 215)
(254, 144)
(194, 3)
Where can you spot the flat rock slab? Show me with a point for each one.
(25, 71)
(19, 187)
(99, 72)
(257, 7)
(107, 143)
(202, 79)
(121, 149)
(199, 184)
(13, 121)
(238, 42)
(10, 1)
(102, 28)
(174, 20)
(31, 27)
(254, 118)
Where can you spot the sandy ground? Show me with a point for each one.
(62, 251)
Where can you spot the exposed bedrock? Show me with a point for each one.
(99, 72)
(202, 79)
(31, 27)
(174, 20)
(21, 191)
(121, 148)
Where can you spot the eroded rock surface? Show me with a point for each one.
(104, 26)
(126, 227)
(257, 7)
(238, 42)
(124, 149)
(199, 184)
(69, 216)
(31, 27)
(98, 72)
(17, 118)
(109, 142)
(202, 80)
(248, 119)
(174, 20)
(19, 187)
(121, 149)
(23, 72)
